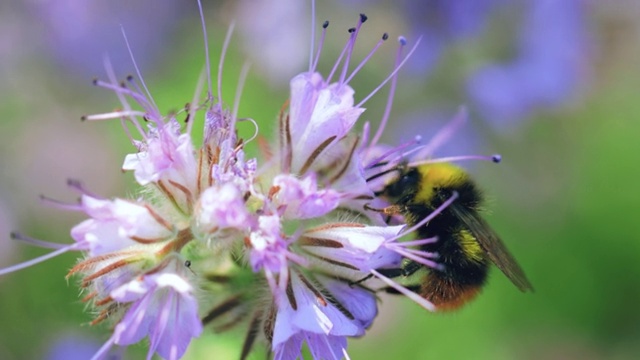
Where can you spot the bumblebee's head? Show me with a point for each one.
(406, 184)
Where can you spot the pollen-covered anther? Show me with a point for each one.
(273, 191)
(103, 301)
(183, 238)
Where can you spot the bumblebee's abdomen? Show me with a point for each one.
(447, 294)
(465, 271)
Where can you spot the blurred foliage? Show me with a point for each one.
(564, 200)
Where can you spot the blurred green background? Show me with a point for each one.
(564, 199)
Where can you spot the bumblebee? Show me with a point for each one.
(466, 244)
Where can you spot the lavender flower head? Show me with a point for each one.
(290, 244)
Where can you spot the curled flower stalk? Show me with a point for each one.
(292, 245)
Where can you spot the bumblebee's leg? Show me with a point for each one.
(393, 291)
(391, 273)
(410, 268)
(358, 282)
(389, 210)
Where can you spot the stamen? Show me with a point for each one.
(351, 45)
(393, 73)
(78, 186)
(419, 242)
(444, 134)
(396, 150)
(406, 292)
(385, 36)
(39, 259)
(313, 33)
(236, 101)
(339, 60)
(32, 241)
(122, 88)
(435, 213)
(418, 258)
(137, 95)
(206, 53)
(191, 109)
(59, 204)
(112, 115)
(493, 158)
(223, 54)
(123, 101)
(325, 25)
(135, 65)
(392, 91)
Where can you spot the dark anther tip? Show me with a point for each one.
(129, 77)
(402, 40)
(83, 118)
(496, 158)
(363, 17)
(94, 81)
(325, 24)
(351, 30)
(385, 36)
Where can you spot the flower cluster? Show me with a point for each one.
(287, 243)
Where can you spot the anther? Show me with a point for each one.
(363, 18)
(74, 183)
(402, 40)
(385, 36)
(95, 81)
(187, 263)
(496, 158)
(129, 77)
(351, 30)
(83, 118)
(325, 24)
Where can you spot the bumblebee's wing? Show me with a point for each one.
(493, 246)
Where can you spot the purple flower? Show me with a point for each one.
(166, 156)
(549, 66)
(79, 45)
(301, 199)
(160, 306)
(321, 115)
(117, 224)
(222, 209)
(314, 319)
